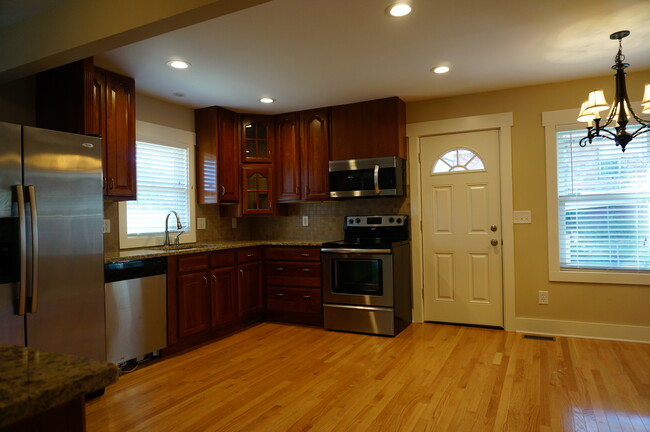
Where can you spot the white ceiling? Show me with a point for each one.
(313, 53)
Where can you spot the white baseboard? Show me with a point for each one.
(580, 329)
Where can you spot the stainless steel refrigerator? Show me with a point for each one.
(51, 241)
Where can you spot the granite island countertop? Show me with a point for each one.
(35, 381)
(157, 251)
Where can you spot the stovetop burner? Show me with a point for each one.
(370, 232)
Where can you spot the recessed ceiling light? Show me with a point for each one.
(440, 69)
(399, 9)
(267, 100)
(178, 64)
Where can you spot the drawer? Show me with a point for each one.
(222, 259)
(249, 254)
(192, 262)
(293, 274)
(293, 300)
(292, 253)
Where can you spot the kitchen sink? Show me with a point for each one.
(182, 247)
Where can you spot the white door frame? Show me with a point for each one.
(501, 122)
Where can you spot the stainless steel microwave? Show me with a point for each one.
(373, 177)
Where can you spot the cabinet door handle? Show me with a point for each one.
(223, 190)
(205, 279)
(306, 270)
(214, 278)
(241, 272)
(112, 183)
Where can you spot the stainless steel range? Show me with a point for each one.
(367, 276)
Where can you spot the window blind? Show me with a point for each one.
(163, 186)
(603, 203)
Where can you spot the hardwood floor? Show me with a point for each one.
(275, 377)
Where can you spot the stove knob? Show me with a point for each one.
(350, 221)
(358, 220)
(391, 220)
(399, 220)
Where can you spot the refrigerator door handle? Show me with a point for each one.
(31, 191)
(22, 244)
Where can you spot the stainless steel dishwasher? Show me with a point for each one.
(136, 308)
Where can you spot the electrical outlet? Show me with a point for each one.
(305, 221)
(542, 297)
(522, 217)
(233, 223)
(107, 226)
(200, 223)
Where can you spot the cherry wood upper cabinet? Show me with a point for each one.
(256, 138)
(83, 99)
(369, 129)
(287, 159)
(257, 189)
(314, 153)
(119, 136)
(217, 155)
(302, 142)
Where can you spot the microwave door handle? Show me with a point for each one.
(31, 191)
(22, 247)
(376, 176)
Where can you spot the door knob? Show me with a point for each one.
(493, 228)
(494, 242)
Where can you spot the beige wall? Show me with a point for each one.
(153, 110)
(597, 303)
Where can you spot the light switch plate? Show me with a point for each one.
(107, 226)
(305, 221)
(200, 223)
(522, 217)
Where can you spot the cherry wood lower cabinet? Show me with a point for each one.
(293, 285)
(212, 294)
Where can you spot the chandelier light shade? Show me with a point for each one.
(619, 112)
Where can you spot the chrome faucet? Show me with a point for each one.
(178, 226)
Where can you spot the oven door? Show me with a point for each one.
(358, 277)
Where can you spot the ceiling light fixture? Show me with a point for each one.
(440, 69)
(399, 9)
(178, 64)
(620, 110)
(267, 100)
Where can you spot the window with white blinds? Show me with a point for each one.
(163, 185)
(165, 182)
(603, 199)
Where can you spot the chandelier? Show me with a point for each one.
(620, 111)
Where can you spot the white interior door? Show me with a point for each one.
(461, 228)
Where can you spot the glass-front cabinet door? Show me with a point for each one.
(257, 139)
(257, 189)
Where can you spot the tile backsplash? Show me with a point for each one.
(325, 221)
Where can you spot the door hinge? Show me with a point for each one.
(421, 226)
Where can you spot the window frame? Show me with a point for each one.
(162, 135)
(553, 122)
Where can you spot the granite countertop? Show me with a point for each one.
(157, 251)
(34, 381)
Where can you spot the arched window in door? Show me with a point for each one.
(458, 160)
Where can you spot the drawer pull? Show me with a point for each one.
(250, 255)
(279, 268)
(306, 296)
(305, 254)
(279, 294)
(306, 270)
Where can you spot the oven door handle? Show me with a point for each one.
(356, 251)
